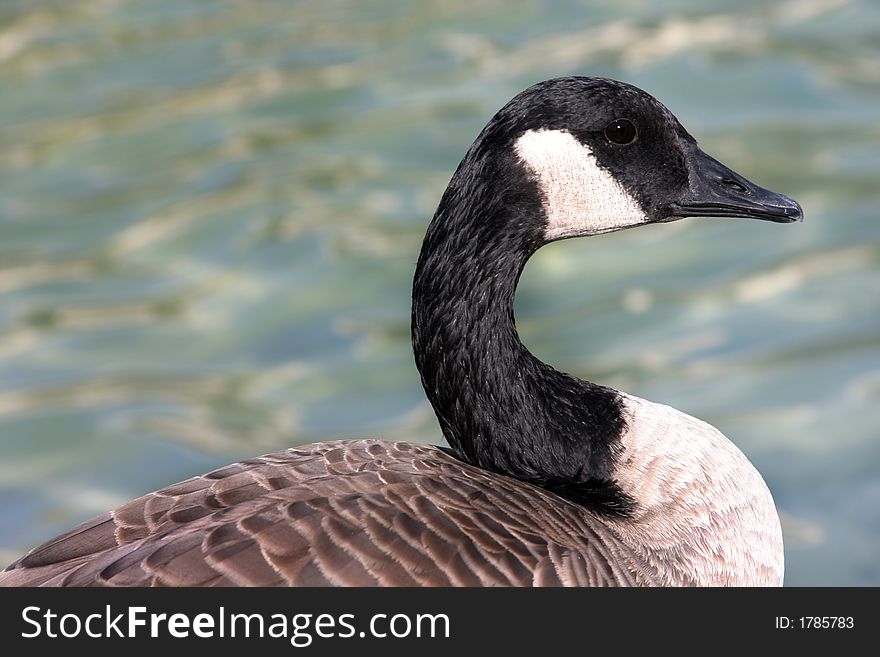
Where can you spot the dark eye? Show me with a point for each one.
(620, 131)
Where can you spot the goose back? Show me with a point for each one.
(361, 513)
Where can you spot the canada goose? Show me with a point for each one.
(550, 480)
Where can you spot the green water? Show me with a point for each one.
(210, 214)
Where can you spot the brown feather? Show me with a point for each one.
(347, 513)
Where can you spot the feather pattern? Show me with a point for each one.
(344, 513)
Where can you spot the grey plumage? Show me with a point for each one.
(360, 513)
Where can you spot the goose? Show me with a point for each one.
(548, 480)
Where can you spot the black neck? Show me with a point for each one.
(499, 407)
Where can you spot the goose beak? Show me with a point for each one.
(716, 191)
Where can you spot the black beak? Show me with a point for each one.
(715, 191)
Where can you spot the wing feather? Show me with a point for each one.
(345, 513)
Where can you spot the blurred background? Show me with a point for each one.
(210, 214)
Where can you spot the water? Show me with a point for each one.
(211, 213)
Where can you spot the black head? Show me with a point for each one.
(601, 147)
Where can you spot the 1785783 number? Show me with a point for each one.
(815, 623)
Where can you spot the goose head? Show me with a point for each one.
(605, 156)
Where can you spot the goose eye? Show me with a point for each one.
(620, 131)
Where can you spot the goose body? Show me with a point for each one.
(549, 479)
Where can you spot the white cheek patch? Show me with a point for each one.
(580, 197)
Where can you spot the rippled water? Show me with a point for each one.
(211, 213)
